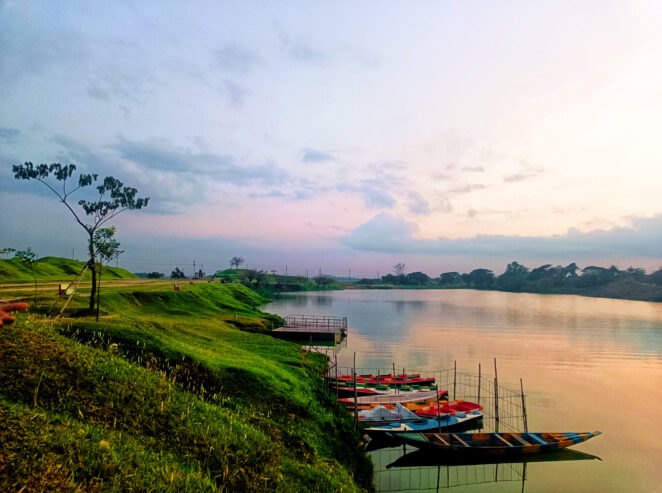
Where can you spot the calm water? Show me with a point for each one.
(587, 364)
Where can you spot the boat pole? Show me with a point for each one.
(336, 361)
(526, 424)
(454, 377)
(356, 406)
(438, 417)
(479, 379)
(496, 393)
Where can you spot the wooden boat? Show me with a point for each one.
(411, 400)
(494, 444)
(421, 425)
(448, 407)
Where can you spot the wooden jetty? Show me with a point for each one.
(312, 328)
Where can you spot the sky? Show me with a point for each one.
(341, 136)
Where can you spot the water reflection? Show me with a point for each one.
(399, 469)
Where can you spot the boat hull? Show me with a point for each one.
(494, 444)
(445, 423)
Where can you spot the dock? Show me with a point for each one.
(312, 328)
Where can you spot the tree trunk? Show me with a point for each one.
(93, 268)
(99, 290)
(35, 285)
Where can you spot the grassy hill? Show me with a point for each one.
(171, 391)
(53, 269)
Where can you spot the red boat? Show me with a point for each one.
(398, 380)
(449, 407)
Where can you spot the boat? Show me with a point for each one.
(346, 389)
(448, 407)
(411, 400)
(419, 426)
(406, 380)
(381, 415)
(494, 444)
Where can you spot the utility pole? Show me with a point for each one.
(73, 252)
(194, 269)
(349, 269)
(286, 271)
(320, 272)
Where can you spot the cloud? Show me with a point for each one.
(373, 193)
(234, 58)
(384, 233)
(9, 135)
(313, 156)
(161, 154)
(235, 92)
(440, 177)
(417, 204)
(473, 169)
(96, 92)
(300, 49)
(391, 232)
(464, 189)
(518, 177)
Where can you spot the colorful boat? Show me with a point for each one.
(494, 444)
(411, 400)
(448, 407)
(346, 389)
(390, 380)
(421, 425)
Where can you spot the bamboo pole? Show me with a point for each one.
(438, 411)
(336, 359)
(454, 378)
(496, 394)
(356, 406)
(479, 382)
(526, 424)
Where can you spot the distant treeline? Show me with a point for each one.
(631, 283)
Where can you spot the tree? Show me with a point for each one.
(399, 269)
(514, 278)
(155, 275)
(417, 279)
(7, 251)
(236, 262)
(177, 274)
(106, 247)
(114, 198)
(480, 278)
(450, 278)
(323, 281)
(28, 257)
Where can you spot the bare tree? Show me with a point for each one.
(236, 262)
(113, 199)
(399, 269)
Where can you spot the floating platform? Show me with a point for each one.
(308, 328)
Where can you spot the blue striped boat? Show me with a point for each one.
(494, 444)
(444, 422)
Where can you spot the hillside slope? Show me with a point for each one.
(53, 269)
(171, 391)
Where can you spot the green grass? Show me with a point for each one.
(171, 391)
(53, 269)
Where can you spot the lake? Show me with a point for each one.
(586, 364)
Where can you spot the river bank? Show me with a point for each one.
(169, 391)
